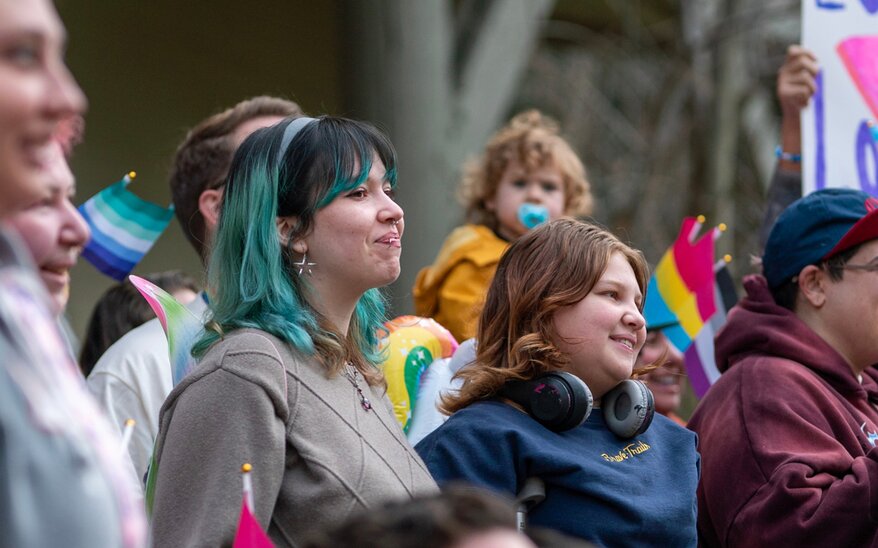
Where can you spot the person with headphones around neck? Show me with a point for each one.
(550, 396)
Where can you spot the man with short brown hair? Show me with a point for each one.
(133, 377)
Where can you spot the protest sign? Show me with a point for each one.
(840, 124)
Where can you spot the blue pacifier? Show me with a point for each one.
(532, 215)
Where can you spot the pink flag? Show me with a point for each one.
(250, 534)
(182, 327)
(858, 54)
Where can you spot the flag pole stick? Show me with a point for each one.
(696, 228)
(248, 485)
(717, 266)
(126, 434)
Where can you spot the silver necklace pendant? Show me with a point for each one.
(353, 376)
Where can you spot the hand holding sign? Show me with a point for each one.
(796, 80)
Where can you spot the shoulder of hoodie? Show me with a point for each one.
(774, 379)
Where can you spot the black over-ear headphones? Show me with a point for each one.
(561, 401)
(628, 408)
(557, 400)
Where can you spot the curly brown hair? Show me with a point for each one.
(533, 140)
(203, 159)
(552, 266)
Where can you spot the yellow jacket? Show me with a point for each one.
(452, 290)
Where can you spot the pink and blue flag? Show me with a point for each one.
(123, 226)
(181, 326)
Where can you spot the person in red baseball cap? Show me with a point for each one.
(787, 434)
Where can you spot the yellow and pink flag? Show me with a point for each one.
(683, 297)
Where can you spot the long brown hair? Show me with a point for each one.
(551, 267)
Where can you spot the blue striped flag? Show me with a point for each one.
(123, 228)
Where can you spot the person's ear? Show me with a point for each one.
(209, 203)
(300, 246)
(812, 282)
(490, 204)
(285, 228)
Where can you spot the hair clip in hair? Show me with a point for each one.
(304, 265)
(532, 215)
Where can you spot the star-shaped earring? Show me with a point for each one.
(304, 265)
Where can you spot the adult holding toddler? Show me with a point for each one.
(527, 175)
(288, 379)
(549, 396)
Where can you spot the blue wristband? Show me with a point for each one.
(787, 156)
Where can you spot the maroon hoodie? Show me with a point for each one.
(787, 436)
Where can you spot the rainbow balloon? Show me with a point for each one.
(411, 344)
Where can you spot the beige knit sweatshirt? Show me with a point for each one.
(318, 456)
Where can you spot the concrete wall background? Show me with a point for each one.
(153, 69)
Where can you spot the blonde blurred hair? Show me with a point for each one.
(533, 140)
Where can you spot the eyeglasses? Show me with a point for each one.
(871, 266)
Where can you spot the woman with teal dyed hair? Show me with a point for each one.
(287, 381)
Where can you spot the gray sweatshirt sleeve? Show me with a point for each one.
(785, 188)
(234, 413)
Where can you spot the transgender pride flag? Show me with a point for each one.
(123, 228)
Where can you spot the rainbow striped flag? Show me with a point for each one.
(123, 228)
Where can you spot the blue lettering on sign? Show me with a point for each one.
(820, 160)
(870, 5)
(866, 146)
(830, 5)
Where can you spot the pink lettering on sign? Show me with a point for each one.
(860, 57)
